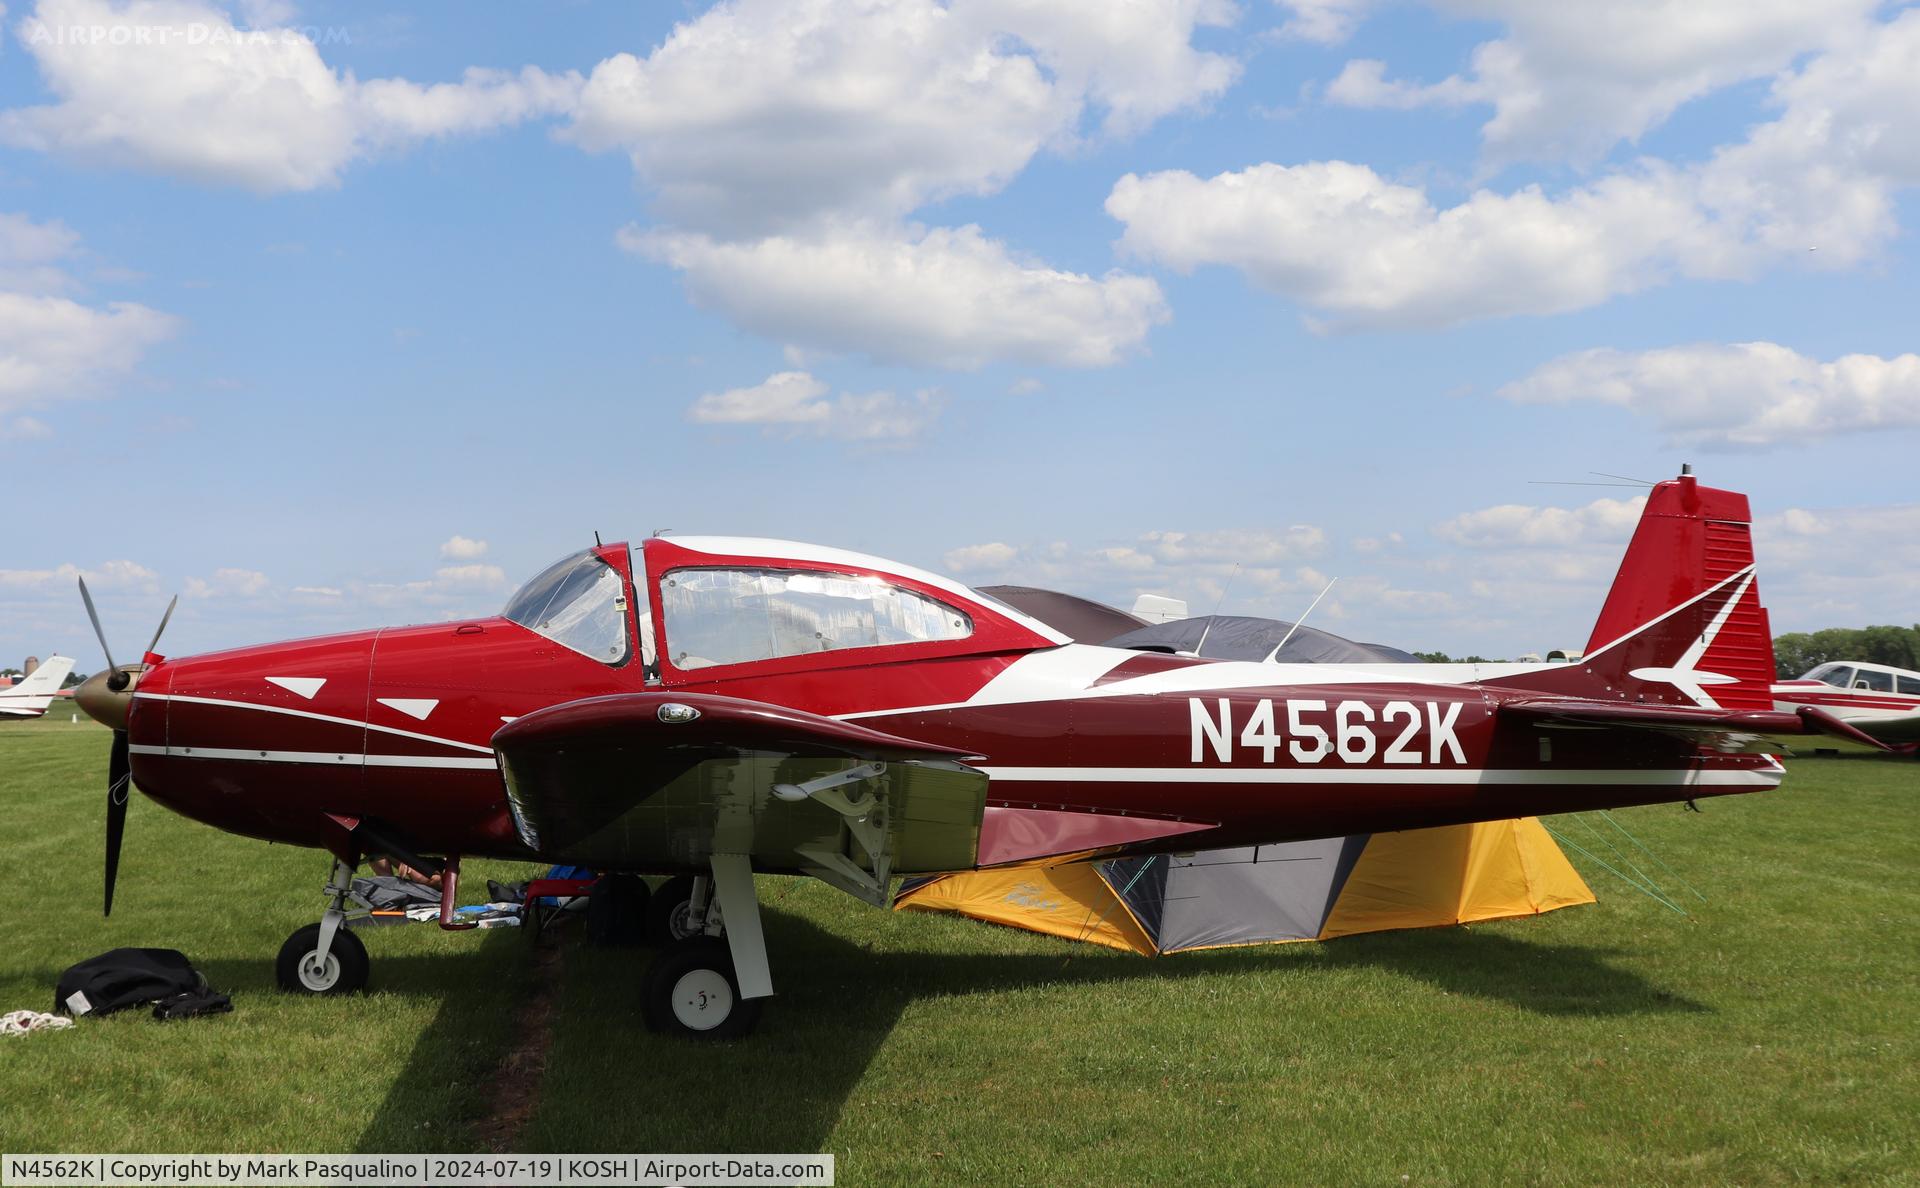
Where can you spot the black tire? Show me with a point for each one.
(345, 971)
(691, 992)
(667, 912)
(617, 911)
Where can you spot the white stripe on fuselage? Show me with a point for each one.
(324, 758)
(1765, 777)
(1067, 674)
(300, 713)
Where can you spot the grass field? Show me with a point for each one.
(1768, 1038)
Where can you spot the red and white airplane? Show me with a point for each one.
(713, 707)
(1879, 699)
(30, 696)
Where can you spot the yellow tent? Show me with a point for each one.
(1315, 890)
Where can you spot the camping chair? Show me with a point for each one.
(546, 899)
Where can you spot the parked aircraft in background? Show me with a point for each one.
(1878, 699)
(714, 707)
(30, 696)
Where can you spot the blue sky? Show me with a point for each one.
(306, 319)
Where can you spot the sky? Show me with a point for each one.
(326, 316)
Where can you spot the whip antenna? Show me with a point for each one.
(1274, 655)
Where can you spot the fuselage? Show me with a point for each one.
(1122, 750)
(1882, 700)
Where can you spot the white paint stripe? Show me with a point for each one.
(296, 713)
(1747, 573)
(326, 758)
(1759, 778)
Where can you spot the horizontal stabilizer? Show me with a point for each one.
(1009, 834)
(1760, 732)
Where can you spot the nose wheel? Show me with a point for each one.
(303, 969)
(325, 958)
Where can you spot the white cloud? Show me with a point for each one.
(786, 143)
(153, 85)
(1326, 22)
(1339, 237)
(1372, 253)
(469, 577)
(763, 116)
(935, 297)
(230, 583)
(1514, 525)
(462, 548)
(991, 557)
(797, 402)
(51, 346)
(1739, 395)
(31, 252)
(1363, 83)
(1569, 81)
(1839, 567)
(63, 580)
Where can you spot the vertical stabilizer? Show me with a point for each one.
(33, 694)
(1683, 622)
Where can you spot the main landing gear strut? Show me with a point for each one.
(711, 978)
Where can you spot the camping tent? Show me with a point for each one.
(1312, 890)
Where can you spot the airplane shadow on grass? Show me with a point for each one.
(610, 1085)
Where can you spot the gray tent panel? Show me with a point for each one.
(1238, 896)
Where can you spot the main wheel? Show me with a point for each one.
(668, 912)
(343, 972)
(691, 991)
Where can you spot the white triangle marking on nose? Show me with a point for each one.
(303, 686)
(412, 707)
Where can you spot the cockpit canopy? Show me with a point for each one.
(717, 602)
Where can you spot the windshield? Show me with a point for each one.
(577, 603)
(1840, 676)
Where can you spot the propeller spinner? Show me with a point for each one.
(107, 698)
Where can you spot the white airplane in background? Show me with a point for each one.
(30, 697)
(1879, 699)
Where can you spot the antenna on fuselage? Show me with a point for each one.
(596, 540)
(1217, 604)
(1275, 654)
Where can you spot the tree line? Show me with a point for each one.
(1797, 652)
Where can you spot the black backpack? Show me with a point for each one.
(125, 978)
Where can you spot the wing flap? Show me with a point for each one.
(1760, 732)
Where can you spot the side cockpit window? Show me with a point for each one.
(577, 603)
(735, 616)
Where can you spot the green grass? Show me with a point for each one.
(1769, 1038)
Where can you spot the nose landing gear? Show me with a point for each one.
(325, 958)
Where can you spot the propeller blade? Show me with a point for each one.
(119, 786)
(95, 616)
(163, 623)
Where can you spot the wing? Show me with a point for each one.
(642, 781)
(1762, 732)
